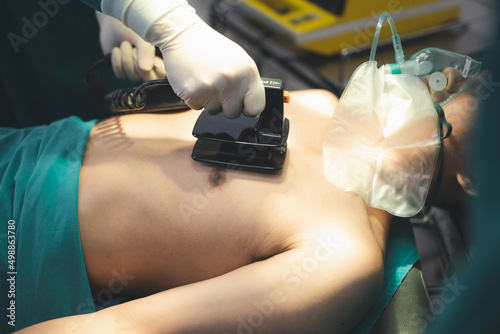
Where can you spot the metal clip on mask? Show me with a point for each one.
(384, 137)
(250, 142)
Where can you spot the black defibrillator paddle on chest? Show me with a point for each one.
(250, 142)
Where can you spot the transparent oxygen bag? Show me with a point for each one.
(383, 140)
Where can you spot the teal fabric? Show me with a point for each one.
(401, 255)
(39, 175)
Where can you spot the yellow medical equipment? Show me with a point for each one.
(328, 26)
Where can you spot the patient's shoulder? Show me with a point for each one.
(318, 100)
(314, 93)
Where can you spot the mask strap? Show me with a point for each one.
(449, 128)
(443, 121)
(439, 175)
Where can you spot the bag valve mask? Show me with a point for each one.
(385, 134)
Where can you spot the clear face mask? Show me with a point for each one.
(445, 73)
(385, 135)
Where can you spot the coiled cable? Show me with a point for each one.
(153, 96)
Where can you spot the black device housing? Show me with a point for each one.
(250, 142)
(156, 96)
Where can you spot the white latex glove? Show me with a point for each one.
(209, 71)
(205, 69)
(132, 58)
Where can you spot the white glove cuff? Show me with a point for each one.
(172, 25)
(142, 15)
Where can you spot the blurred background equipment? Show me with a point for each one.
(266, 30)
(327, 27)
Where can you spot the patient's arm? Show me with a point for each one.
(323, 284)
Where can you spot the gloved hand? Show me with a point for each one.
(132, 58)
(205, 69)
